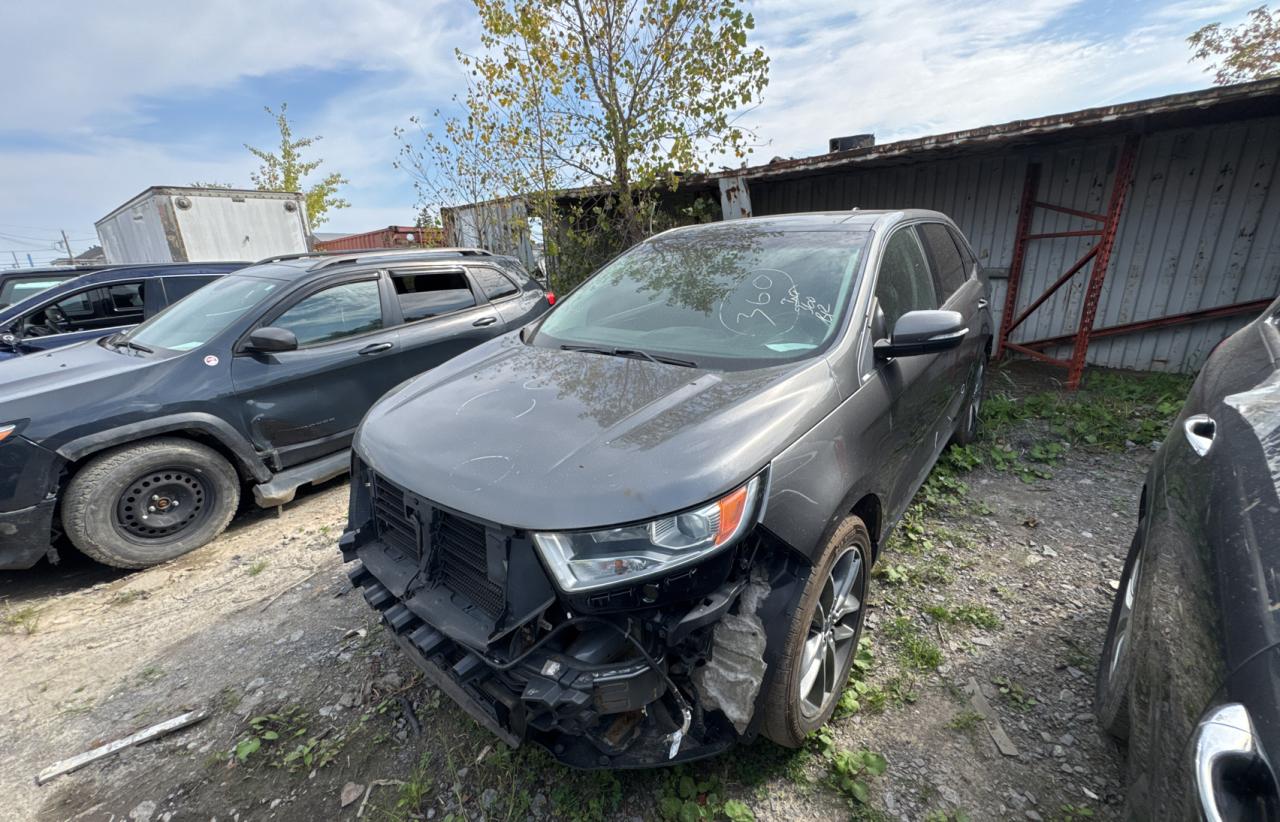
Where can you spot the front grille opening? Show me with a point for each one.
(390, 518)
(461, 549)
(463, 563)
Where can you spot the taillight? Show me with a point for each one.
(551, 298)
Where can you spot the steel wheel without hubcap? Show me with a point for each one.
(833, 634)
(162, 504)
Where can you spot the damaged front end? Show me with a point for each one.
(668, 667)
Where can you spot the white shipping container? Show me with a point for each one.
(167, 224)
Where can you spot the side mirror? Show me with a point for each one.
(923, 332)
(270, 340)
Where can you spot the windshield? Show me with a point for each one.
(19, 288)
(730, 297)
(193, 321)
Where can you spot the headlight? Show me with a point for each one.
(6, 430)
(586, 560)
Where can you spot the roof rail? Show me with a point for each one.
(358, 255)
(301, 255)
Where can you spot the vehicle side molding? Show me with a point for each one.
(282, 487)
(923, 332)
(208, 424)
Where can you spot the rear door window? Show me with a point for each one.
(948, 265)
(334, 313)
(493, 283)
(905, 283)
(424, 294)
(125, 301)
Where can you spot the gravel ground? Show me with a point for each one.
(1001, 586)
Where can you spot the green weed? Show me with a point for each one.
(25, 620)
(1013, 693)
(965, 721)
(850, 769)
(978, 616)
(916, 651)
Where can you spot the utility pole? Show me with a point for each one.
(67, 245)
(16, 264)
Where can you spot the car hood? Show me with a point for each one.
(43, 387)
(541, 438)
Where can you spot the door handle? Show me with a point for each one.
(1200, 430)
(375, 348)
(1225, 746)
(982, 303)
(485, 321)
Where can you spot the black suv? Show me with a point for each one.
(642, 528)
(137, 445)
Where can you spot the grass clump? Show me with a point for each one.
(915, 650)
(24, 620)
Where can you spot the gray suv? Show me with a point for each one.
(641, 527)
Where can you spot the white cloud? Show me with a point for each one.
(100, 58)
(907, 69)
(83, 76)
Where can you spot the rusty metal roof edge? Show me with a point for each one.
(1098, 115)
(972, 137)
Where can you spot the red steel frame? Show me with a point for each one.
(1099, 254)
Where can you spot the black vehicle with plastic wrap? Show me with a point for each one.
(642, 527)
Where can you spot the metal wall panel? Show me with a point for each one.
(499, 226)
(1201, 228)
(240, 228)
(135, 234)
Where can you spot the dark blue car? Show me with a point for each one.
(100, 303)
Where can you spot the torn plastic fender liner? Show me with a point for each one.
(731, 679)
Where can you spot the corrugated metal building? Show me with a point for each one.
(1199, 229)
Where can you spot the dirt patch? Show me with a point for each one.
(1000, 578)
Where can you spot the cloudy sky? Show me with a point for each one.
(101, 100)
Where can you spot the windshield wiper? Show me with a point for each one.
(630, 353)
(118, 340)
(636, 353)
(588, 349)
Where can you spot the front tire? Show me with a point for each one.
(822, 640)
(971, 417)
(146, 503)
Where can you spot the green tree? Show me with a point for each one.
(287, 171)
(1248, 51)
(620, 95)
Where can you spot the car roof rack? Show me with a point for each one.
(300, 255)
(362, 255)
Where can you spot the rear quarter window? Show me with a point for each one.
(494, 283)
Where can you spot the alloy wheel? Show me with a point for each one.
(833, 634)
(1123, 619)
(975, 404)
